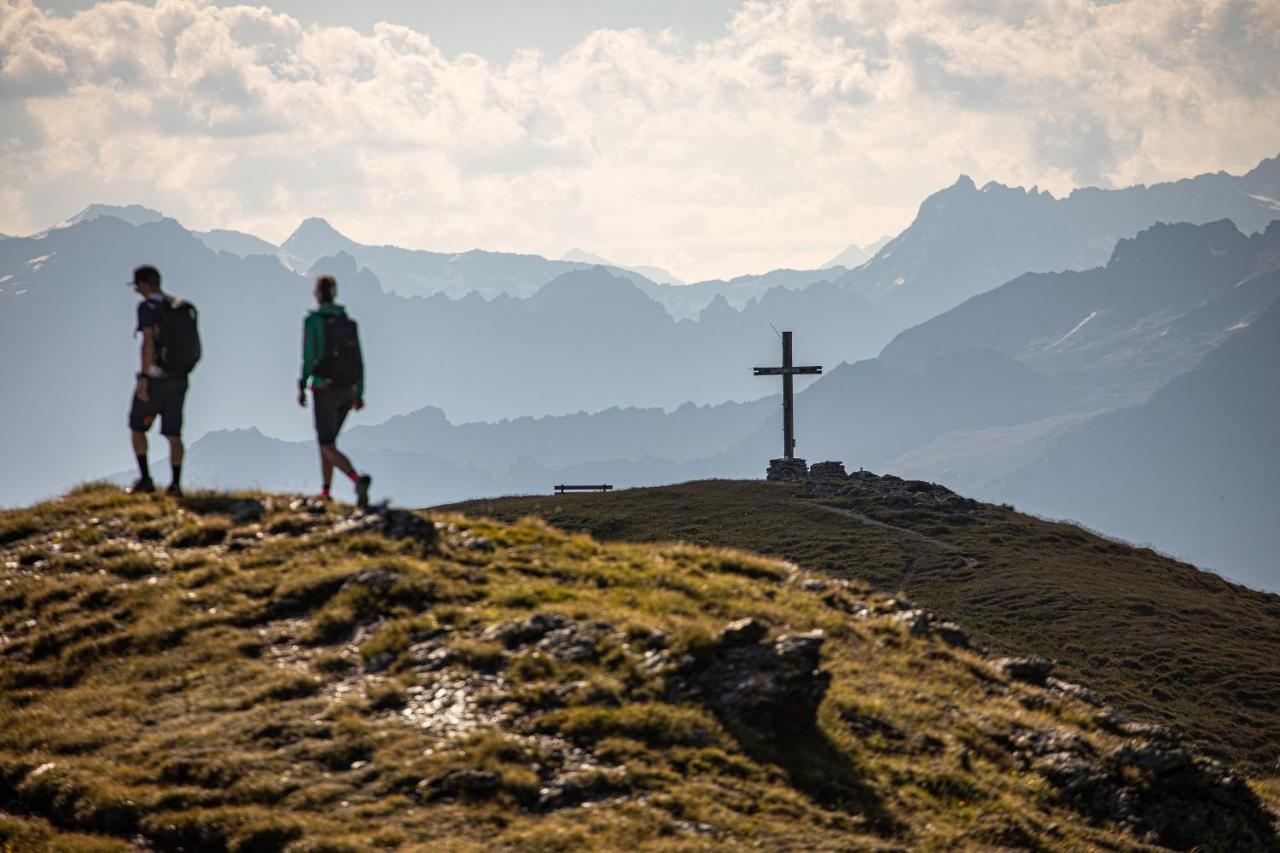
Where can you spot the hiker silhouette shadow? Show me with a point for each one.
(815, 767)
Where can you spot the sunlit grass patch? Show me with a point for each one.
(325, 687)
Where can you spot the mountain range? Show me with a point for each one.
(975, 395)
(856, 256)
(588, 340)
(966, 240)
(1000, 420)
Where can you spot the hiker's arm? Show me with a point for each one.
(360, 388)
(312, 347)
(148, 359)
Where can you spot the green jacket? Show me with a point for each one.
(313, 347)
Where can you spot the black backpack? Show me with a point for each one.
(342, 364)
(178, 344)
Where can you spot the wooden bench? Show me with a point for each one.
(602, 487)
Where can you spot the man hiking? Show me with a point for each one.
(332, 363)
(170, 350)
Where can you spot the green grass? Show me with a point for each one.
(1155, 636)
(210, 697)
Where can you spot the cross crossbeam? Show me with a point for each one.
(787, 371)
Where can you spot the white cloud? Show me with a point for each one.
(808, 125)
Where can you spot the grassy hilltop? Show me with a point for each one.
(1157, 637)
(255, 673)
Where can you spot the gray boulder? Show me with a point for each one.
(772, 688)
(1030, 670)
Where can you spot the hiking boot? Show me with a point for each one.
(174, 490)
(362, 490)
(142, 486)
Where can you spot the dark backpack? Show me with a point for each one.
(178, 343)
(341, 364)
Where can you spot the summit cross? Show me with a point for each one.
(787, 371)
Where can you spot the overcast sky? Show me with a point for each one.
(710, 137)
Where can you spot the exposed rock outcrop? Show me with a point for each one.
(770, 687)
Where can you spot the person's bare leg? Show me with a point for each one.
(176, 450)
(139, 440)
(337, 459)
(326, 473)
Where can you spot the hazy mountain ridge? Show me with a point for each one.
(863, 413)
(1164, 298)
(411, 272)
(657, 275)
(588, 341)
(855, 255)
(965, 240)
(689, 432)
(1194, 469)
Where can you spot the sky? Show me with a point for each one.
(709, 137)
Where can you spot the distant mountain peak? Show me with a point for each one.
(1166, 242)
(654, 274)
(315, 226)
(134, 214)
(857, 255)
(579, 256)
(315, 238)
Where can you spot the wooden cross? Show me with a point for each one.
(788, 402)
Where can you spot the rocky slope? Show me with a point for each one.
(1158, 638)
(257, 672)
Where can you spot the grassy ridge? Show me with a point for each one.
(256, 673)
(1155, 636)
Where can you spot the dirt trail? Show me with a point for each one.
(915, 536)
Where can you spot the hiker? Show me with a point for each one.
(332, 362)
(170, 350)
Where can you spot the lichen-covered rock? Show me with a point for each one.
(1066, 688)
(575, 642)
(247, 511)
(463, 782)
(1156, 789)
(1030, 670)
(744, 632)
(379, 579)
(773, 688)
(916, 621)
(393, 523)
(951, 634)
(522, 632)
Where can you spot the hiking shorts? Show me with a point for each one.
(165, 398)
(331, 406)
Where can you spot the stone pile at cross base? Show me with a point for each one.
(827, 471)
(796, 471)
(787, 470)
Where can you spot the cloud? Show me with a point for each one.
(807, 125)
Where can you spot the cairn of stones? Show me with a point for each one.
(786, 470)
(827, 471)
